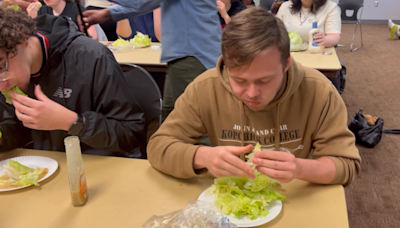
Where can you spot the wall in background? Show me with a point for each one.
(387, 9)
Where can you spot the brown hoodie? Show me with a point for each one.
(308, 112)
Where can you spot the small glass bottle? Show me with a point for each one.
(76, 171)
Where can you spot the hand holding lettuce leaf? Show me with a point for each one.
(279, 165)
(7, 94)
(237, 196)
(17, 175)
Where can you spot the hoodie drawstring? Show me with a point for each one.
(277, 138)
(242, 156)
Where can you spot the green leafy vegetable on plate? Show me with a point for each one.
(239, 196)
(20, 175)
(141, 40)
(296, 43)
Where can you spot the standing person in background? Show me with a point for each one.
(157, 23)
(60, 7)
(227, 9)
(298, 15)
(109, 26)
(191, 36)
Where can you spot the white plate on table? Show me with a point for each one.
(31, 162)
(274, 208)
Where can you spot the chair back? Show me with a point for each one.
(266, 4)
(350, 5)
(148, 95)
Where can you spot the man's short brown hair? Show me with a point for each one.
(250, 32)
(15, 28)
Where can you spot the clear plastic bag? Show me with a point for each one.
(198, 214)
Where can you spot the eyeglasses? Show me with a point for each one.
(3, 76)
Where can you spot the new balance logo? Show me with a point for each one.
(59, 93)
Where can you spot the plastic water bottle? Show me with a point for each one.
(76, 171)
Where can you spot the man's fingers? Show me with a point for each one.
(22, 108)
(276, 165)
(23, 117)
(227, 169)
(23, 99)
(284, 176)
(274, 155)
(240, 150)
(240, 165)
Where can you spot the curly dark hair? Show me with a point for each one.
(317, 4)
(15, 28)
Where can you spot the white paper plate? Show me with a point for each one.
(274, 209)
(32, 162)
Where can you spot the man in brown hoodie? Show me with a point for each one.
(258, 93)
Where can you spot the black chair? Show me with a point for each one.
(266, 4)
(147, 93)
(354, 6)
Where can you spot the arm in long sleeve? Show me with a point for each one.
(171, 148)
(125, 8)
(334, 140)
(116, 122)
(14, 134)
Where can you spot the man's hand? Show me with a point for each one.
(33, 9)
(281, 166)
(96, 16)
(222, 161)
(42, 114)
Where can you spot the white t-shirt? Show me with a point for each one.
(328, 16)
(97, 3)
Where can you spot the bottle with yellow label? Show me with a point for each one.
(76, 171)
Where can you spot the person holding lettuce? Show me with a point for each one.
(258, 93)
(58, 82)
(298, 16)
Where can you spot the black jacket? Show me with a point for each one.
(82, 75)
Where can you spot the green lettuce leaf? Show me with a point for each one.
(21, 168)
(141, 40)
(28, 179)
(13, 89)
(251, 155)
(15, 7)
(295, 38)
(238, 196)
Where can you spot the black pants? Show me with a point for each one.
(109, 27)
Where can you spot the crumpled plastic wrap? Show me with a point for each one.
(198, 214)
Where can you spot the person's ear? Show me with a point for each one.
(288, 61)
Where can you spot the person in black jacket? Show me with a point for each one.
(74, 87)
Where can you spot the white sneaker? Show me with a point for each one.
(394, 30)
